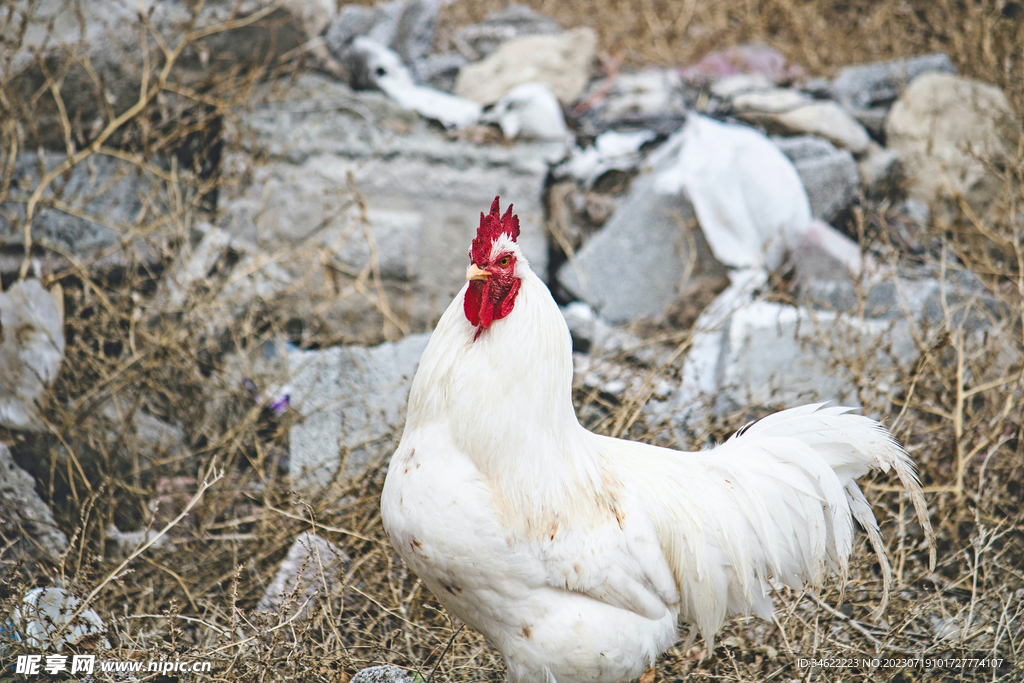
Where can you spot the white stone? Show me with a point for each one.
(44, 612)
(769, 101)
(31, 350)
(382, 674)
(938, 127)
(728, 87)
(561, 60)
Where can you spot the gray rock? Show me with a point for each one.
(829, 174)
(121, 544)
(924, 297)
(102, 205)
(642, 258)
(31, 350)
(379, 22)
(947, 131)
(594, 336)
(405, 26)
(880, 172)
(382, 674)
(229, 265)
(26, 520)
(319, 145)
(773, 355)
(313, 565)
(140, 433)
(107, 33)
(873, 119)
(476, 41)
(352, 400)
(440, 70)
(612, 359)
(747, 352)
(868, 90)
(878, 84)
(561, 60)
(414, 37)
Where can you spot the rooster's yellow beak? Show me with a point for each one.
(474, 273)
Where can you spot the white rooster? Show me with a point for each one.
(575, 554)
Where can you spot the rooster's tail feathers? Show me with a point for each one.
(776, 502)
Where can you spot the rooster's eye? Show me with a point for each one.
(503, 262)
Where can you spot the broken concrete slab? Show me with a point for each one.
(340, 176)
(829, 175)
(352, 400)
(25, 520)
(95, 213)
(312, 566)
(638, 262)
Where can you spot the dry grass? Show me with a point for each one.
(957, 407)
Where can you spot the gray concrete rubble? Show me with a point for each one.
(405, 26)
(476, 41)
(350, 182)
(382, 674)
(97, 214)
(624, 278)
(747, 352)
(351, 400)
(830, 176)
(98, 51)
(868, 90)
(313, 567)
(791, 112)
(27, 524)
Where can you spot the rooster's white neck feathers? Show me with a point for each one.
(486, 390)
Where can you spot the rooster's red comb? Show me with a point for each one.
(492, 226)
